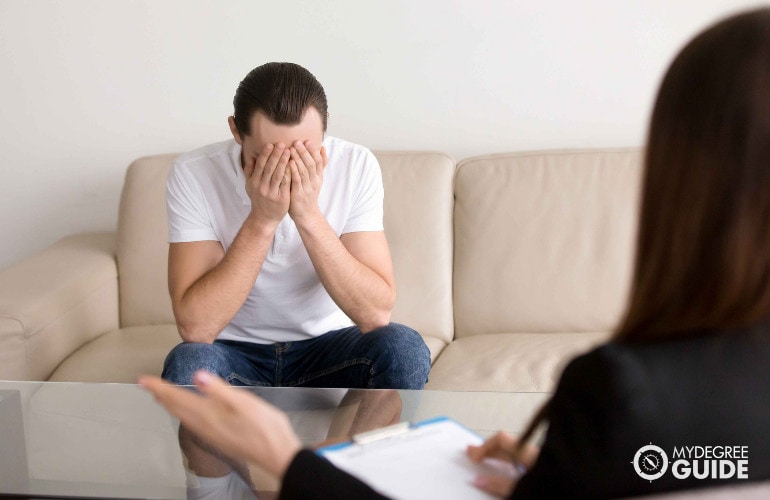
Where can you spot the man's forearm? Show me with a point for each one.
(213, 300)
(365, 296)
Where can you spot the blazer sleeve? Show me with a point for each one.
(584, 454)
(311, 477)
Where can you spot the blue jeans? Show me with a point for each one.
(391, 357)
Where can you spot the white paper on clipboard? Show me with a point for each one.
(426, 461)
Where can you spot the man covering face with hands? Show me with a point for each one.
(279, 270)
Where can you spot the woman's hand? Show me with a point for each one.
(235, 422)
(502, 446)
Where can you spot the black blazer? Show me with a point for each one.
(712, 389)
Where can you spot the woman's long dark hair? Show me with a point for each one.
(703, 253)
(703, 250)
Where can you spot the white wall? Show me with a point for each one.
(86, 86)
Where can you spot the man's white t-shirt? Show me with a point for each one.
(207, 200)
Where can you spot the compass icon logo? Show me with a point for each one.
(650, 462)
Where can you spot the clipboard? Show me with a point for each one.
(425, 460)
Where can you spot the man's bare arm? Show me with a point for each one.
(356, 271)
(356, 268)
(208, 285)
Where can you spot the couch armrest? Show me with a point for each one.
(54, 302)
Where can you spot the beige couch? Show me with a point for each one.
(507, 264)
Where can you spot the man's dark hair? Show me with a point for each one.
(282, 91)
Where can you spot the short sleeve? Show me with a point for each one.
(188, 216)
(367, 208)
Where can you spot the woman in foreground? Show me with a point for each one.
(687, 367)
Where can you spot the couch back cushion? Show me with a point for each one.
(142, 244)
(544, 240)
(418, 225)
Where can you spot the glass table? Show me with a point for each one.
(72, 440)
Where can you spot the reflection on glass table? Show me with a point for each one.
(114, 441)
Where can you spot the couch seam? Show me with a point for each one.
(24, 342)
(14, 318)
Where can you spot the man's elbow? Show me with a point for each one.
(379, 316)
(191, 332)
(375, 321)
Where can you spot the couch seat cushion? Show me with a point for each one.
(120, 355)
(435, 346)
(509, 362)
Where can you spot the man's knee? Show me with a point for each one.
(188, 357)
(401, 358)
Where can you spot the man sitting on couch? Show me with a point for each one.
(279, 270)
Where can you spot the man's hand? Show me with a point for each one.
(307, 165)
(268, 184)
